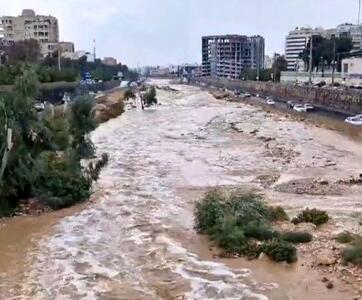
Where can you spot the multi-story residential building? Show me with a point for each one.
(1, 29)
(296, 42)
(49, 49)
(43, 29)
(353, 30)
(109, 61)
(227, 55)
(28, 25)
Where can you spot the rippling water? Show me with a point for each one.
(135, 240)
(129, 243)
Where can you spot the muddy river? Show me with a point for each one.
(135, 238)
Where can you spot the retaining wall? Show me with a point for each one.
(347, 101)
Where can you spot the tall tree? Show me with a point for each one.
(280, 64)
(27, 51)
(323, 50)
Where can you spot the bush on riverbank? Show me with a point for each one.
(60, 182)
(40, 154)
(277, 213)
(297, 237)
(149, 98)
(237, 222)
(353, 254)
(279, 251)
(315, 216)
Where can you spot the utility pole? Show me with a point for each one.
(359, 11)
(59, 55)
(310, 59)
(334, 57)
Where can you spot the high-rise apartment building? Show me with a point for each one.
(28, 25)
(225, 56)
(296, 41)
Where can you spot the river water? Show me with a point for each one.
(135, 240)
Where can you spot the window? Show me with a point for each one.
(345, 68)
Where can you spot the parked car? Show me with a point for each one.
(308, 107)
(320, 84)
(270, 102)
(247, 95)
(356, 120)
(299, 108)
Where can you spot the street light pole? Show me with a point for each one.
(59, 54)
(334, 58)
(310, 59)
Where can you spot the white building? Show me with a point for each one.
(355, 32)
(352, 70)
(295, 42)
(2, 31)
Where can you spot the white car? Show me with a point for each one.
(247, 95)
(356, 120)
(308, 106)
(300, 108)
(270, 102)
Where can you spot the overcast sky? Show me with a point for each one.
(162, 32)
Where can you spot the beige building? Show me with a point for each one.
(28, 25)
(49, 49)
(109, 61)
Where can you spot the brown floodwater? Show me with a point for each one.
(135, 239)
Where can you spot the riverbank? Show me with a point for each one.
(136, 239)
(343, 101)
(326, 180)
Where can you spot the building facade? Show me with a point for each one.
(295, 42)
(43, 29)
(226, 56)
(28, 25)
(51, 49)
(109, 61)
(354, 31)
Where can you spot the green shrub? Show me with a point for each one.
(150, 96)
(277, 213)
(129, 94)
(209, 212)
(297, 237)
(61, 182)
(247, 207)
(315, 216)
(251, 249)
(230, 237)
(353, 254)
(259, 231)
(345, 237)
(279, 251)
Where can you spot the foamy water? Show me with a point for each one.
(119, 247)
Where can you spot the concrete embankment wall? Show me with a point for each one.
(347, 101)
